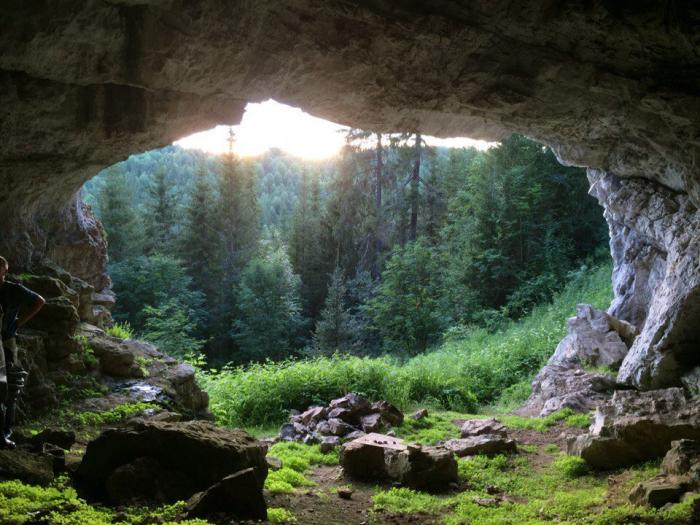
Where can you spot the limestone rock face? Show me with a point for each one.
(594, 338)
(637, 426)
(655, 240)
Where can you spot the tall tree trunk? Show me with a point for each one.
(415, 181)
(379, 227)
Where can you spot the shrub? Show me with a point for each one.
(121, 330)
(571, 466)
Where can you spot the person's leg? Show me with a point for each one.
(15, 383)
(4, 443)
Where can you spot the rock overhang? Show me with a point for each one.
(608, 85)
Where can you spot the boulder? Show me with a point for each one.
(338, 427)
(358, 405)
(372, 422)
(145, 480)
(392, 415)
(557, 386)
(594, 338)
(313, 414)
(29, 467)
(659, 491)
(683, 458)
(477, 427)
(116, 358)
(200, 450)
(637, 426)
(58, 437)
(488, 444)
(50, 287)
(379, 457)
(236, 495)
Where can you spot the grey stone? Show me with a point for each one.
(476, 427)
(419, 414)
(238, 495)
(659, 491)
(328, 443)
(339, 428)
(637, 426)
(488, 444)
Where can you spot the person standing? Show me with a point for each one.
(18, 305)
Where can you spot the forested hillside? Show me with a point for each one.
(382, 250)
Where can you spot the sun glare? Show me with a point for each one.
(270, 124)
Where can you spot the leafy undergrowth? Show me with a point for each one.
(440, 425)
(296, 460)
(474, 369)
(58, 504)
(562, 492)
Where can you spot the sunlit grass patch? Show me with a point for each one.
(542, 424)
(280, 515)
(300, 457)
(571, 466)
(407, 500)
(436, 427)
(297, 459)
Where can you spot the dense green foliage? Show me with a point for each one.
(472, 367)
(381, 251)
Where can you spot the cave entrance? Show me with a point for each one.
(289, 236)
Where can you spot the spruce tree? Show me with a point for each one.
(334, 328)
(160, 213)
(119, 218)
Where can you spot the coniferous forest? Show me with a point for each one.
(383, 250)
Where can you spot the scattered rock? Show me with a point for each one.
(345, 493)
(477, 427)
(328, 443)
(420, 414)
(488, 444)
(380, 457)
(237, 495)
(348, 418)
(637, 426)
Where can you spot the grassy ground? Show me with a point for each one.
(539, 485)
(475, 369)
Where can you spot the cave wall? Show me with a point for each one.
(612, 85)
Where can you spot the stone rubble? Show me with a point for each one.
(637, 426)
(346, 418)
(680, 473)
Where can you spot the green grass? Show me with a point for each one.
(561, 492)
(280, 515)
(116, 414)
(121, 330)
(296, 459)
(542, 424)
(460, 375)
(59, 504)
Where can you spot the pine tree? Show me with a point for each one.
(334, 328)
(200, 243)
(238, 212)
(118, 216)
(160, 213)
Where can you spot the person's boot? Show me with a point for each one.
(5, 441)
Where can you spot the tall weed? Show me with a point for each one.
(461, 374)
